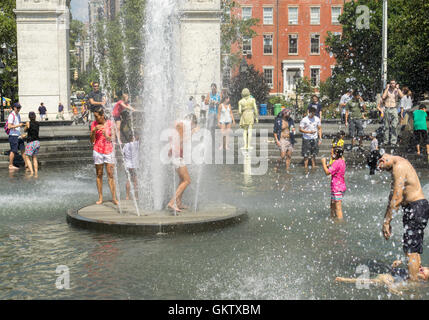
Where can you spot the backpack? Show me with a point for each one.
(6, 127)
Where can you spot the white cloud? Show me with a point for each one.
(79, 9)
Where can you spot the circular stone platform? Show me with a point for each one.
(106, 217)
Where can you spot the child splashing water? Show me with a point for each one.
(338, 186)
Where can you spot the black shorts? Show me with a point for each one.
(421, 137)
(415, 219)
(310, 148)
(16, 144)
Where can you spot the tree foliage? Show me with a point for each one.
(254, 81)
(358, 51)
(8, 49)
(119, 50)
(233, 30)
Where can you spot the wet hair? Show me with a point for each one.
(224, 98)
(193, 118)
(338, 152)
(422, 106)
(32, 116)
(99, 110)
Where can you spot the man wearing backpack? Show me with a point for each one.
(14, 131)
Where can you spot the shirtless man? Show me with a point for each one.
(284, 130)
(406, 192)
(176, 153)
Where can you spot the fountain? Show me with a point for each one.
(174, 68)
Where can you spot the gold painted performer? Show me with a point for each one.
(249, 113)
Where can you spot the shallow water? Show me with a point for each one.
(287, 249)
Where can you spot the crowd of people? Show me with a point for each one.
(216, 111)
(18, 133)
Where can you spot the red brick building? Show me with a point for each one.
(291, 39)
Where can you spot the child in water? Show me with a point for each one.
(338, 186)
(338, 141)
(374, 155)
(391, 280)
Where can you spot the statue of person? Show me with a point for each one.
(249, 113)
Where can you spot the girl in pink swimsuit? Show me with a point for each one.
(337, 171)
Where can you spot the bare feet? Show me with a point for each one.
(116, 202)
(13, 168)
(100, 201)
(173, 208)
(183, 207)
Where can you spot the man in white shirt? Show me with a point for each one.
(311, 127)
(16, 143)
(345, 98)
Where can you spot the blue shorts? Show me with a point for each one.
(16, 144)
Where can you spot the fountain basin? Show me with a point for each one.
(106, 217)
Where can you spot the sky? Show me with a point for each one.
(79, 9)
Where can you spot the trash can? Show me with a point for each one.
(263, 109)
(277, 109)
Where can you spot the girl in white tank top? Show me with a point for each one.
(225, 119)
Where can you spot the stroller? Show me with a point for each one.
(82, 118)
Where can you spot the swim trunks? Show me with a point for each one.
(285, 145)
(415, 219)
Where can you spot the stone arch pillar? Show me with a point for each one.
(200, 45)
(43, 55)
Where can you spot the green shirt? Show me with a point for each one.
(353, 107)
(419, 117)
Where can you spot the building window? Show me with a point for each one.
(315, 44)
(268, 76)
(247, 46)
(315, 76)
(315, 15)
(293, 44)
(335, 14)
(293, 15)
(268, 15)
(246, 13)
(268, 43)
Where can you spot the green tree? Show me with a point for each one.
(8, 50)
(233, 30)
(119, 50)
(409, 43)
(254, 81)
(358, 50)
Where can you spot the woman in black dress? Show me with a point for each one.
(33, 144)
